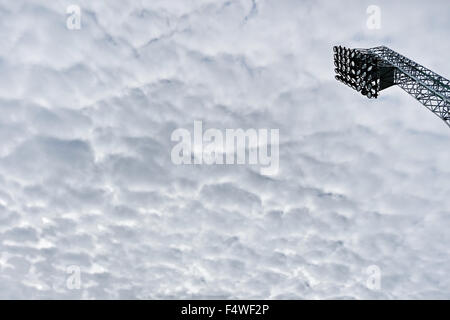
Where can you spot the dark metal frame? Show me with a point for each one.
(429, 88)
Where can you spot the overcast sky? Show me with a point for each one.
(86, 177)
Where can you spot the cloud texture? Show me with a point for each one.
(86, 177)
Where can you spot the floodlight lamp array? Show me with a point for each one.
(358, 70)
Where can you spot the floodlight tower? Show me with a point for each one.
(370, 71)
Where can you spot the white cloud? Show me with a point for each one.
(86, 177)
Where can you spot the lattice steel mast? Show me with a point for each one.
(371, 70)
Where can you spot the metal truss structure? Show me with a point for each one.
(371, 70)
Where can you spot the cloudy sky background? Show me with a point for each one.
(86, 177)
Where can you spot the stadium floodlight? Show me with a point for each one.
(370, 71)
